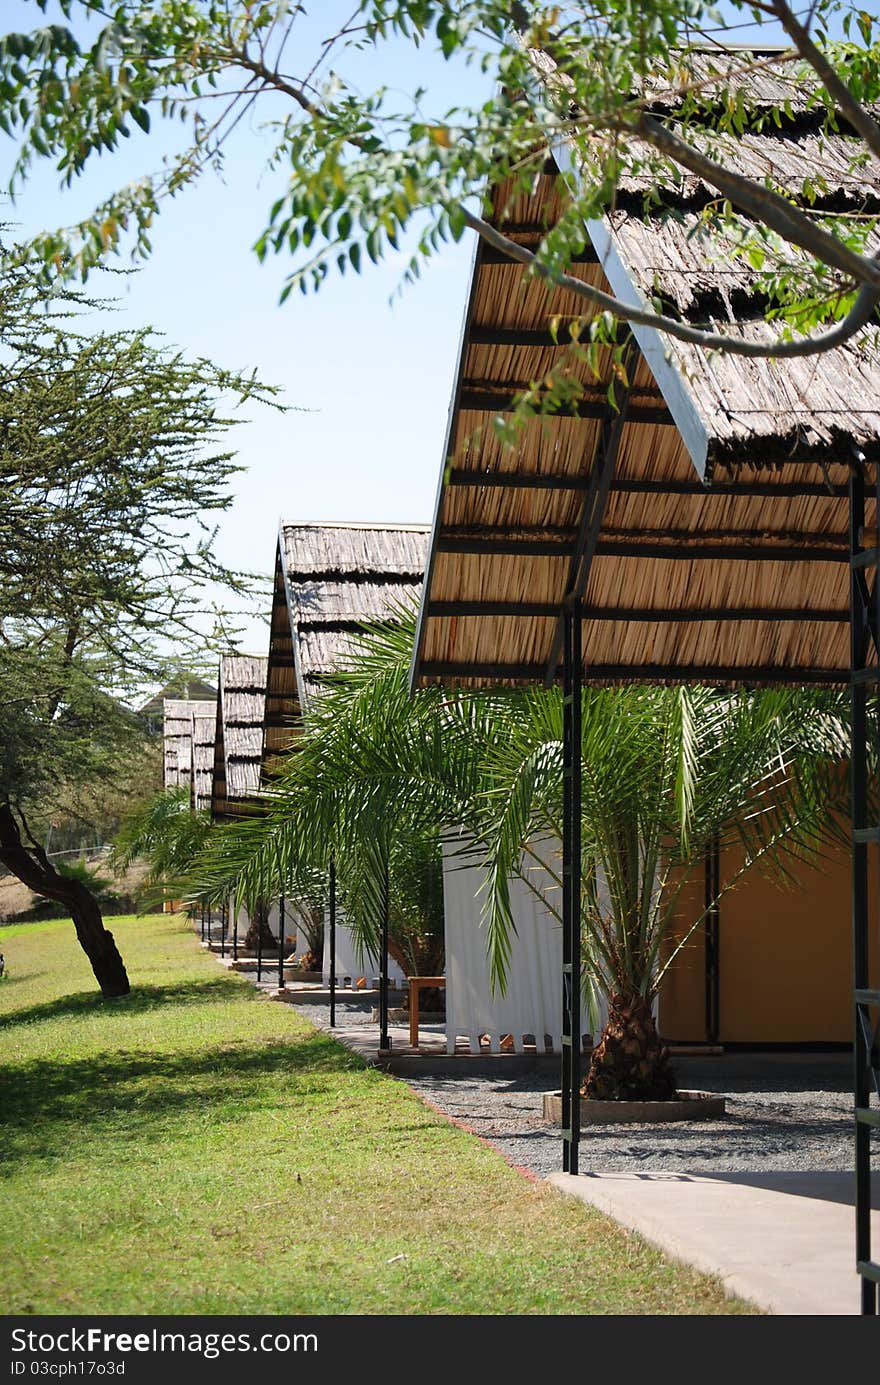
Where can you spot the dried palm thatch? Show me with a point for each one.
(203, 731)
(179, 714)
(722, 551)
(330, 579)
(238, 737)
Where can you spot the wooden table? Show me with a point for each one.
(417, 984)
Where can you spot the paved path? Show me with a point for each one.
(783, 1240)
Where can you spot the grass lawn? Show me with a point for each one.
(197, 1149)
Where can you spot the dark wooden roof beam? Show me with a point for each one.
(525, 548)
(475, 400)
(562, 548)
(710, 674)
(530, 338)
(517, 480)
(791, 490)
(489, 255)
(530, 480)
(749, 552)
(661, 615)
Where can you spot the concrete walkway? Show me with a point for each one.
(786, 1241)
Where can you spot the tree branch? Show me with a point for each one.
(863, 123)
(762, 203)
(856, 319)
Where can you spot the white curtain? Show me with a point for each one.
(245, 919)
(350, 961)
(533, 1002)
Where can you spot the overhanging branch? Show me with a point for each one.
(856, 319)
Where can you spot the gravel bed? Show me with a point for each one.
(348, 1012)
(788, 1112)
(781, 1116)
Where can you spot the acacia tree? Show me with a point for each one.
(110, 475)
(357, 165)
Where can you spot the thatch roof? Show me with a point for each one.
(192, 690)
(238, 735)
(178, 713)
(204, 729)
(331, 579)
(722, 552)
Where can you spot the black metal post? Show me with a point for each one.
(864, 1047)
(222, 932)
(203, 921)
(332, 942)
(234, 926)
(572, 711)
(259, 943)
(281, 942)
(711, 931)
(384, 1039)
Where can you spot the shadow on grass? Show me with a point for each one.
(50, 1106)
(141, 999)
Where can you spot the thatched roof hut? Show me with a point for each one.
(704, 519)
(331, 579)
(179, 714)
(238, 736)
(204, 730)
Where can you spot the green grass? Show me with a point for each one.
(197, 1149)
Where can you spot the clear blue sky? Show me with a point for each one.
(375, 376)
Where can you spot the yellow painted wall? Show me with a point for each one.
(682, 1012)
(784, 958)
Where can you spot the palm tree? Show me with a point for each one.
(169, 836)
(352, 792)
(379, 776)
(666, 773)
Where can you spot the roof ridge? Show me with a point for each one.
(354, 524)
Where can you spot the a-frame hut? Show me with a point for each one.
(204, 727)
(702, 520)
(238, 741)
(698, 531)
(238, 735)
(178, 720)
(330, 580)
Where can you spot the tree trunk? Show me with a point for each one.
(629, 1062)
(258, 929)
(33, 868)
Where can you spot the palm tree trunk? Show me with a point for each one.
(259, 933)
(629, 1062)
(33, 868)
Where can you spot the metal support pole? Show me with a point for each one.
(572, 712)
(860, 641)
(384, 1040)
(222, 932)
(281, 943)
(332, 942)
(259, 943)
(234, 926)
(203, 922)
(712, 928)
